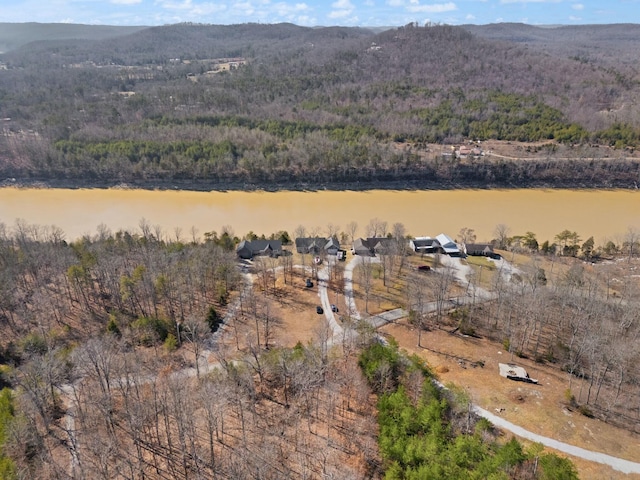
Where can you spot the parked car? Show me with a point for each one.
(319, 310)
(334, 308)
(309, 283)
(424, 268)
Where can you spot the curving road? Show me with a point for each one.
(616, 463)
(461, 272)
(619, 464)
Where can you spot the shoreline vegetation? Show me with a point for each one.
(529, 174)
(320, 109)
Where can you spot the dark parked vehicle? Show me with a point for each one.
(309, 283)
(334, 308)
(319, 310)
(424, 268)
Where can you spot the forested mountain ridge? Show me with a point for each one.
(16, 35)
(214, 106)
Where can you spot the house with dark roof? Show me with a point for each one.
(361, 247)
(317, 245)
(247, 249)
(424, 245)
(375, 245)
(383, 245)
(480, 250)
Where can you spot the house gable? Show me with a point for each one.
(248, 249)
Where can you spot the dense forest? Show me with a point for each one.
(102, 336)
(245, 106)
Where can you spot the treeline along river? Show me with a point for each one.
(603, 214)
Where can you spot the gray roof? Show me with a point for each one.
(315, 244)
(447, 244)
(478, 247)
(361, 247)
(260, 246)
(421, 242)
(383, 245)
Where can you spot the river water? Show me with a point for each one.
(603, 214)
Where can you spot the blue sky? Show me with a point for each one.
(317, 12)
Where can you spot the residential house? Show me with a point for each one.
(318, 245)
(361, 247)
(447, 245)
(424, 245)
(383, 245)
(375, 245)
(248, 249)
(480, 249)
(332, 247)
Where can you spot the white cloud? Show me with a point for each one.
(305, 20)
(529, 1)
(343, 8)
(187, 10)
(470, 16)
(245, 7)
(285, 9)
(577, 6)
(574, 18)
(432, 8)
(339, 13)
(395, 3)
(125, 2)
(208, 8)
(169, 5)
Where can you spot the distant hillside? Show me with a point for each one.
(615, 45)
(15, 35)
(253, 103)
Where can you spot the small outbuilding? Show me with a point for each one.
(514, 372)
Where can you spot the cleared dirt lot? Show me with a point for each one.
(538, 408)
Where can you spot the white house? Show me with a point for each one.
(448, 245)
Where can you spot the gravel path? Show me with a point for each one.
(461, 273)
(616, 463)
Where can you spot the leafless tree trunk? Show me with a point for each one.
(365, 276)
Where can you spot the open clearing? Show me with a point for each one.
(537, 408)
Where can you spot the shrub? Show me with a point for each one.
(150, 330)
(569, 397)
(171, 343)
(214, 320)
(34, 343)
(112, 326)
(557, 468)
(586, 411)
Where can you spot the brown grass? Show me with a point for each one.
(538, 408)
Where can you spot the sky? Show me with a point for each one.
(366, 13)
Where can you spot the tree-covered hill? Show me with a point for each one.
(16, 35)
(331, 104)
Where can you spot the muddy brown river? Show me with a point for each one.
(605, 214)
